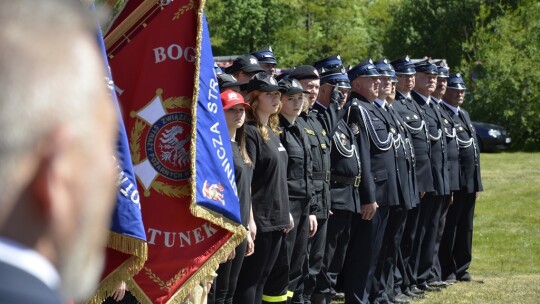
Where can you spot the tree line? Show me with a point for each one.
(493, 43)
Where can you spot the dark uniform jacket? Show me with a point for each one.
(319, 144)
(351, 183)
(299, 165)
(452, 149)
(405, 160)
(350, 171)
(469, 155)
(375, 121)
(434, 122)
(19, 286)
(413, 119)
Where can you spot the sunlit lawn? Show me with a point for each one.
(506, 250)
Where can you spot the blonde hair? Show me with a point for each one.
(251, 114)
(305, 103)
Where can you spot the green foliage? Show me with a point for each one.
(433, 28)
(494, 42)
(300, 31)
(242, 26)
(505, 72)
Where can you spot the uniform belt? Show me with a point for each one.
(325, 176)
(350, 180)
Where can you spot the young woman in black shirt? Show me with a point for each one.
(269, 196)
(235, 115)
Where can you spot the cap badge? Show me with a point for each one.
(407, 58)
(233, 96)
(253, 61)
(370, 61)
(385, 61)
(458, 75)
(338, 57)
(270, 49)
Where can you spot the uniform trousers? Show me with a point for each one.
(383, 286)
(296, 241)
(426, 235)
(313, 262)
(435, 274)
(455, 253)
(337, 239)
(403, 273)
(227, 276)
(269, 246)
(362, 255)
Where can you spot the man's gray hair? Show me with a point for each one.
(47, 76)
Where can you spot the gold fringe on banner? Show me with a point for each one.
(139, 254)
(239, 232)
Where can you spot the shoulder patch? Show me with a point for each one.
(309, 131)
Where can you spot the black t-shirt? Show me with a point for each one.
(269, 196)
(243, 174)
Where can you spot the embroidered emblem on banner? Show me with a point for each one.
(214, 192)
(160, 140)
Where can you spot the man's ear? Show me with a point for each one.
(50, 175)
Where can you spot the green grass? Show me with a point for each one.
(506, 244)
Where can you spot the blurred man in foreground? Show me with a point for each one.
(56, 167)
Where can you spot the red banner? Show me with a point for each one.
(153, 57)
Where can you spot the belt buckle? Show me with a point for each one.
(357, 181)
(327, 176)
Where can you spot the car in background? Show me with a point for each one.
(491, 137)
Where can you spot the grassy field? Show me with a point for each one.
(506, 250)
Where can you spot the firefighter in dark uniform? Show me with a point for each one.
(413, 120)
(452, 153)
(352, 187)
(320, 153)
(455, 253)
(383, 286)
(300, 187)
(244, 68)
(267, 60)
(368, 114)
(431, 203)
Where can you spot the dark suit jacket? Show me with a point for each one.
(18, 286)
(383, 163)
(439, 167)
(469, 157)
(452, 148)
(412, 116)
(320, 146)
(404, 161)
